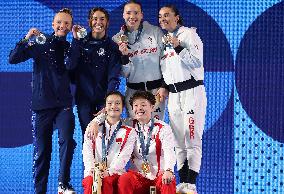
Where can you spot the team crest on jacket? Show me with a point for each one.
(101, 52)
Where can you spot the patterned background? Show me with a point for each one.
(243, 59)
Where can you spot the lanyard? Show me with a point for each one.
(104, 148)
(145, 148)
(137, 37)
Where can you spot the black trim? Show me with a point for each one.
(185, 85)
(150, 85)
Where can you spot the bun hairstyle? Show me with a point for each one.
(133, 2)
(65, 10)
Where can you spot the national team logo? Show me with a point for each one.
(190, 112)
(101, 52)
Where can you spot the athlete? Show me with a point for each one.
(112, 147)
(51, 99)
(183, 72)
(94, 61)
(140, 43)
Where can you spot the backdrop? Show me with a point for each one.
(243, 59)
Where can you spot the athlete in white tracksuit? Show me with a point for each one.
(158, 140)
(183, 72)
(113, 146)
(144, 46)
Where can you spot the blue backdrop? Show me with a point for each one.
(244, 63)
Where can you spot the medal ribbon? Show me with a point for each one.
(145, 148)
(104, 148)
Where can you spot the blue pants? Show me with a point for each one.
(86, 111)
(43, 124)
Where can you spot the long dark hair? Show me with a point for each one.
(176, 12)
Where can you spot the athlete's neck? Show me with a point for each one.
(96, 35)
(144, 121)
(112, 120)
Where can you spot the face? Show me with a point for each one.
(62, 24)
(99, 22)
(142, 110)
(132, 15)
(167, 19)
(114, 106)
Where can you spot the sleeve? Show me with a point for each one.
(192, 54)
(88, 156)
(114, 68)
(100, 118)
(73, 54)
(168, 142)
(124, 156)
(20, 53)
(159, 37)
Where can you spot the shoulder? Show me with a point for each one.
(160, 123)
(150, 28)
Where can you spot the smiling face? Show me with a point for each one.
(132, 14)
(142, 109)
(99, 23)
(167, 19)
(114, 106)
(62, 24)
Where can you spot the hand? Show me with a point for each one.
(100, 112)
(167, 177)
(162, 93)
(123, 48)
(175, 42)
(32, 32)
(92, 130)
(75, 29)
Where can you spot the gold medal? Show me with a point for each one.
(145, 167)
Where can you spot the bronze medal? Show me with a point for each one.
(123, 38)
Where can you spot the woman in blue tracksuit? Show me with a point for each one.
(51, 100)
(95, 64)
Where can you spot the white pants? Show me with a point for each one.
(187, 111)
(158, 113)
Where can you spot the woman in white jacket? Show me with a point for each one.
(141, 56)
(183, 72)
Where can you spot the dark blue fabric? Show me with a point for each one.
(50, 82)
(43, 125)
(95, 66)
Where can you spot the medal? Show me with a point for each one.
(122, 38)
(82, 33)
(145, 167)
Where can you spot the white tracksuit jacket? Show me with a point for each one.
(161, 151)
(144, 58)
(119, 152)
(187, 108)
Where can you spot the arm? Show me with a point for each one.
(88, 156)
(168, 143)
(192, 52)
(114, 69)
(21, 52)
(74, 52)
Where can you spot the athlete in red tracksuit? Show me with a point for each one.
(113, 146)
(153, 158)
